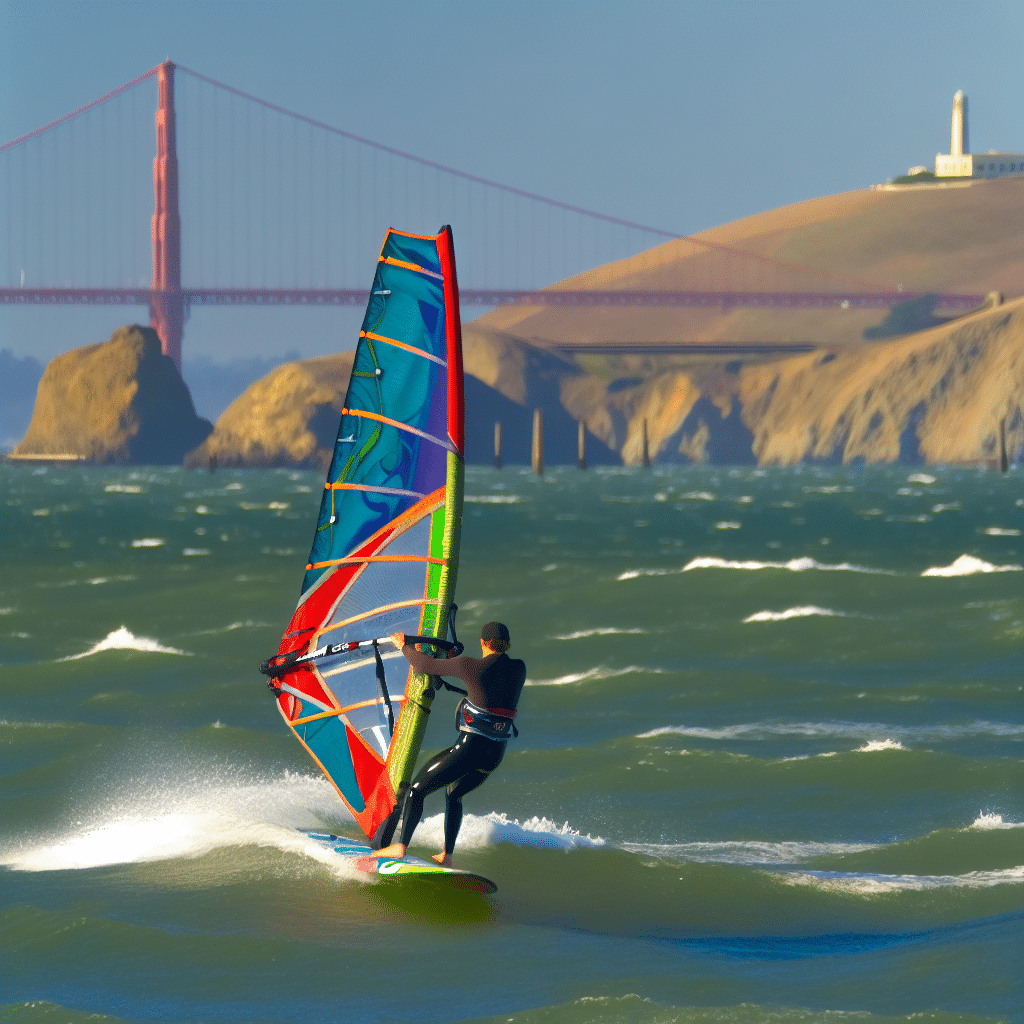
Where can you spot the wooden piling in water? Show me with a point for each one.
(497, 444)
(581, 445)
(1004, 462)
(646, 451)
(538, 441)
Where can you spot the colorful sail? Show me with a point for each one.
(385, 552)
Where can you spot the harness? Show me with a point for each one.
(491, 723)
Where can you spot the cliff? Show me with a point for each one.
(121, 401)
(935, 396)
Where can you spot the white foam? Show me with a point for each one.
(599, 631)
(999, 531)
(735, 852)
(493, 499)
(986, 821)
(124, 640)
(698, 496)
(868, 732)
(176, 819)
(148, 542)
(886, 744)
(874, 885)
(799, 612)
(6, 611)
(123, 489)
(194, 552)
(601, 672)
(920, 478)
(725, 525)
(968, 565)
(952, 507)
(484, 830)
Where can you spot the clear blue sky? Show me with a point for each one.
(680, 115)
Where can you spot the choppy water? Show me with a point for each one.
(770, 764)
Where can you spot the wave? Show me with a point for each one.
(148, 542)
(801, 611)
(124, 639)
(920, 478)
(123, 489)
(493, 499)
(869, 732)
(968, 565)
(599, 631)
(868, 884)
(748, 853)
(600, 672)
(793, 565)
(999, 531)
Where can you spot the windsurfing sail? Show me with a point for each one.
(385, 553)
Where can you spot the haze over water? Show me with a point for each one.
(769, 765)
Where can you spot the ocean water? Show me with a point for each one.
(770, 764)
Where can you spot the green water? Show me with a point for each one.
(769, 766)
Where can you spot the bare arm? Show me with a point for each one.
(463, 667)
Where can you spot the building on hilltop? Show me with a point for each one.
(960, 162)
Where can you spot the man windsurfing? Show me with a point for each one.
(494, 682)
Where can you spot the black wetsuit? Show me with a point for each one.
(465, 764)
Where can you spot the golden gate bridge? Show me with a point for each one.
(281, 209)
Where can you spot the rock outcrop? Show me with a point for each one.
(121, 401)
(287, 418)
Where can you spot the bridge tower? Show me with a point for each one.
(166, 302)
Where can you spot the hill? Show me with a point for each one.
(940, 239)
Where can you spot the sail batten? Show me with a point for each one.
(384, 556)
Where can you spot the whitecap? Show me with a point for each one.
(234, 487)
(726, 525)
(920, 478)
(493, 499)
(601, 672)
(6, 611)
(952, 507)
(750, 852)
(968, 565)
(866, 884)
(986, 821)
(886, 744)
(124, 640)
(598, 631)
(123, 489)
(998, 531)
(148, 542)
(40, 511)
(698, 496)
(280, 505)
(194, 552)
(801, 611)
(793, 565)
(865, 731)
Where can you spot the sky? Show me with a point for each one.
(678, 115)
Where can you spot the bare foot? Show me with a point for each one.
(396, 851)
(443, 859)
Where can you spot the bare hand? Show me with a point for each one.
(398, 639)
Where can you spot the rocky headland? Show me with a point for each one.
(121, 401)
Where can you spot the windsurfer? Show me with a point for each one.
(494, 682)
